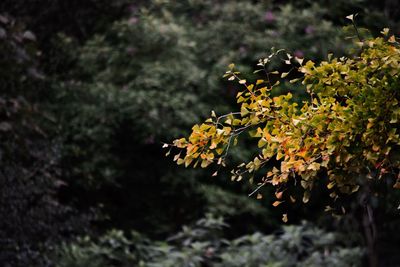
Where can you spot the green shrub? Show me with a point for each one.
(203, 245)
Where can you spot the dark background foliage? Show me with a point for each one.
(89, 90)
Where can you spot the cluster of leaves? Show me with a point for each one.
(347, 130)
(112, 249)
(202, 245)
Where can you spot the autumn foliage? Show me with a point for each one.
(346, 131)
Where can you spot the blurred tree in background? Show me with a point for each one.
(91, 89)
(32, 215)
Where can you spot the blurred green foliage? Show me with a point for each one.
(91, 89)
(203, 245)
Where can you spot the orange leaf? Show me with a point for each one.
(279, 195)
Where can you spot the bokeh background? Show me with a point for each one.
(90, 90)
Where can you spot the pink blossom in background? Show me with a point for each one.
(133, 8)
(299, 54)
(309, 29)
(269, 17)
(133, 20)
(274, 33)
(242, 50)
(131, 50)
(150, 140)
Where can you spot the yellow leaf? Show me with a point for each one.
(279, 155)
(176, 157)
(296, 121)
(397, 185)
(213, 145)
(330, 185)
(306, 197)
(355, 188)
(284, 218)
(299, 60)
(188, 161)
(235, 141)
(302, 153)
(219, 151)
(385, 31)
(295, 80)
(284, 74)
(314, 166)
(262, 142)
(204, 163)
